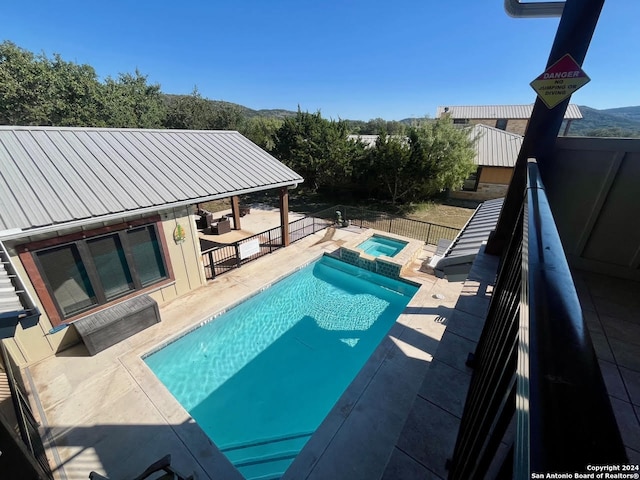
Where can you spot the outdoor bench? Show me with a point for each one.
(107, 327)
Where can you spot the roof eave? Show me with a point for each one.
(15, 234)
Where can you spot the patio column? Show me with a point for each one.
(235, 211)
(284, 215)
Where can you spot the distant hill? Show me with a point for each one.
(611, 122)
(618, 122)
(246, 111)
(632, 113)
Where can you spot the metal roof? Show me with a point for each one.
(459, 257)
(495, 147)
(479, 112)
(56, 176)
(367, 140)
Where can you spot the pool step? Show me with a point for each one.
(266, 459)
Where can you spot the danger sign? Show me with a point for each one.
(559, 81)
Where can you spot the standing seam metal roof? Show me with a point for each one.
(55, 175)
(495, 147)
(480, 112)
(466, 245)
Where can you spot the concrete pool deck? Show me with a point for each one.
(110, 414)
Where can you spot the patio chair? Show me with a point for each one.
(164, 465)
(220, 226)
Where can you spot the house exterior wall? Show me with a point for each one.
(493, 183)
(496, 175)
(514, 125)
(592, 186)
(36, 343)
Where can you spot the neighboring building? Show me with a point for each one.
(91, 218)
(496, 155)
(511, 118)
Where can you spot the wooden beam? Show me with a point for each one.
(235, 210)
(284, 215)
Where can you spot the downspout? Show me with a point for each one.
(515, 8)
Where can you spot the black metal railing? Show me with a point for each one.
(429, 233)
(535, 366)
(26, 422)
(221, 259)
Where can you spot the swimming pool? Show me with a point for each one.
(260, 378)
(378, 245)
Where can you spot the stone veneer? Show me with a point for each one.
(388, 266)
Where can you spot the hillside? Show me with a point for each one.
(612, 122)
(619, 122)
(632, 113)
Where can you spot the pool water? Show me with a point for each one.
(260, 378)
(377, 245)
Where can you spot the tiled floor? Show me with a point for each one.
(612, 312)
(428, 438)
(611, 308)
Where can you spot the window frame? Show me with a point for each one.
(28, 254)
(501, 123)
(477, 180)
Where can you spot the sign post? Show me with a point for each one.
(559, 81)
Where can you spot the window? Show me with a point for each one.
(471, 183)
(146, 255)
(501, 124)
(460, 121)
(111, 265)
(89, 272)
(68, 279)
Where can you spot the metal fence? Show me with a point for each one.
(27, 424)
(429, 233)
(221, 259)
(535, 366)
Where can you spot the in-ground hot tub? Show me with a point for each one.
(386, 254)
(377, 245)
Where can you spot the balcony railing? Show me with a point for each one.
(535, 368)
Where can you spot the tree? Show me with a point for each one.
(194, 112)
(317, 149)
(261, 131)
(74, 94)
(130, 102)
(22, 87)
(226, 116)
(441, 155)
(431, 157)
(189, 112)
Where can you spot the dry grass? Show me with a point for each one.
(449, 213)
(442, 214)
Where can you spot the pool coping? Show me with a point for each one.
(156, 407)
(309, 462)
(402, 260)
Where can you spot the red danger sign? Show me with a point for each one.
(559, 81)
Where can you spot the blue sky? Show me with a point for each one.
(351, 59)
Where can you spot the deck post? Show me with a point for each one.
(577, 24)
(235, 210)
(284, 215)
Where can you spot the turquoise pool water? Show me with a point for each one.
(377, 245)
(260, 378)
